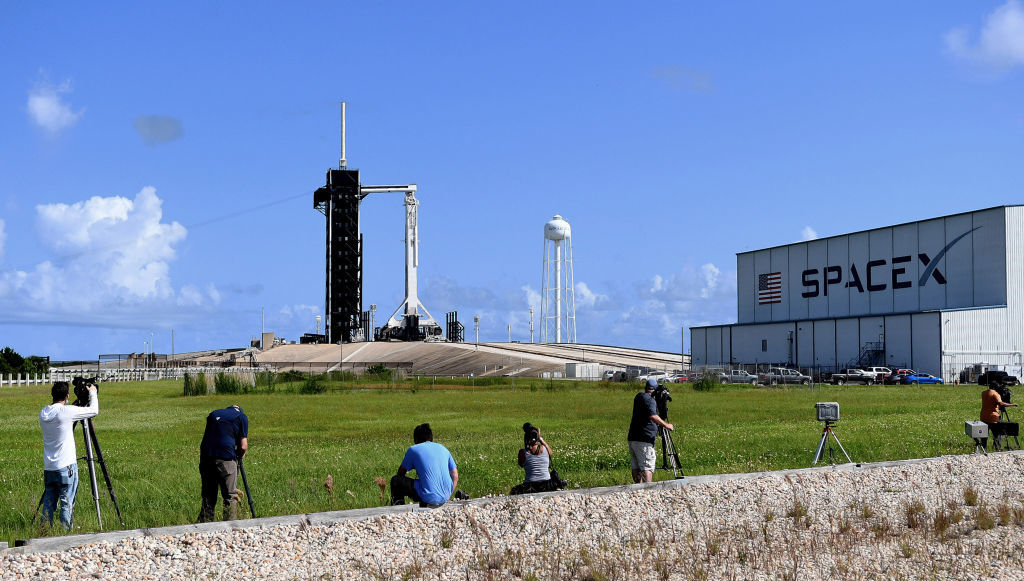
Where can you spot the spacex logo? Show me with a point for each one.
(876, 275)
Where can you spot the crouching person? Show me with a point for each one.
(225, 441)
(535, 459)
(436, 473)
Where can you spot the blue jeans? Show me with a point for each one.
(62, 484)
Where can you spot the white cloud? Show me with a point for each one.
(114, 264)
(48, 110)
(808, 233)
(1000, 42)
(3, 238)
(587, 298)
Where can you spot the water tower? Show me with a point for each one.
(558, 294)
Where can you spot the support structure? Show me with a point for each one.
(558, 296)
(339, 200)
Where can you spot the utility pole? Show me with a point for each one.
(476, 325)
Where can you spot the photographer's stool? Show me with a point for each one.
(978, 431)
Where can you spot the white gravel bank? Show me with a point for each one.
(911, 521)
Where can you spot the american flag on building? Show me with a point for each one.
(769, 288)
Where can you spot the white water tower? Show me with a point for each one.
(558, 294)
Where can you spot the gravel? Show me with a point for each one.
(953, 517)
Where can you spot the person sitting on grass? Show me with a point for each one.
(535, 459)
(437, 475)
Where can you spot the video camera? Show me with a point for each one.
(661, 397)
(82, 385)
(998, 380)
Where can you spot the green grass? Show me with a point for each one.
(150, 437)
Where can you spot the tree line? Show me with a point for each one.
(11, 362)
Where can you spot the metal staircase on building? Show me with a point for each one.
(872, 354)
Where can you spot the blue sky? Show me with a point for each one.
(157, 164)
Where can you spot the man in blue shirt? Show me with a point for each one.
(434, 466)
(225, 441)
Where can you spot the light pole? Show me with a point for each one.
(510, 333)
(373, 317)
(476, 326)
(531, 323)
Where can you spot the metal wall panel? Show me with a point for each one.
(825, 344)
(872, 329)
(898, 338)
(762, 265)
(931, 238)
(859, 250)
(957, 264)
(977, 330)
(791, 281)
(927, 352)
(848, 341)
(698, 347)
(747, 343)
(715, 346)
(780, 264)
(804, 344)
(990, 265)
(1014, 272)
(881, 249)
(838, 296)
(817, 258)
(904, 268)
(746, 287)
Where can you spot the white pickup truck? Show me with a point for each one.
(737, 376)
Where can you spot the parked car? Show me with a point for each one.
(682, 378)
(853, 376)
(737, 376)
(917, 378)
(897, 376)
(878, 373)
(655, 375)
(776, 375)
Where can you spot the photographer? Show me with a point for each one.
(643, 432)
(60, 458)
(225, 441)
(437, 475)
(535, 459)
(991, 407)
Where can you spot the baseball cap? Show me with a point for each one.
(651, 384)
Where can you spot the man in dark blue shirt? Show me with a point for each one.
(643, 432)
(225, 441)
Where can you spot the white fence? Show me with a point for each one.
(105, 375)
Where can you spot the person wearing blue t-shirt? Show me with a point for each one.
(435, 469)
(225, 441)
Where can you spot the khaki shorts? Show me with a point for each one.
(641, 456)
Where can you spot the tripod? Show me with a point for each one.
(245, 484)
(1001, 439)
(831, 452)
(91, 444)
(669, 457)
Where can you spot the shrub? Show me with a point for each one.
(265, 381)
(915, 513)
(970, 496)
(379, 371)
(313, 384)
(291, 376)
(707, 382)
(195, 385)
(984, 519)
(229, 383)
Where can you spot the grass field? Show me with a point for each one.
(150, 436)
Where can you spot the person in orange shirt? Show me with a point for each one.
(991, 406)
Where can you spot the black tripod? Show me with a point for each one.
(831, 452)
(92, 444)
(1005, 429)
(245, 484)
(669, 457)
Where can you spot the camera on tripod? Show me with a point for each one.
(999, 381)
(661, 397)
(827, 411)
(82, 385)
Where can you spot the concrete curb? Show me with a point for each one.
(60, 543)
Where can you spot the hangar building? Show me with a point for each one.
(940, 296)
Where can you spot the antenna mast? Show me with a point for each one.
(342, 163)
